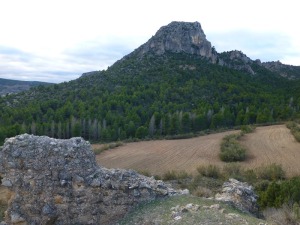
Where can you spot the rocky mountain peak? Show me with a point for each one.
(179, 37)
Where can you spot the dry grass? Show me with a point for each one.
(286, 215)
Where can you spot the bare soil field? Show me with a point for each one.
(271, 144)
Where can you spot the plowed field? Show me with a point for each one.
(272, 144)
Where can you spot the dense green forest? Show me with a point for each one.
(151, 96)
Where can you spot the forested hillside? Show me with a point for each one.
(151, 95)
(14, 86)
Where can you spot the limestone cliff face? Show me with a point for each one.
(179, 37)
(58, 182)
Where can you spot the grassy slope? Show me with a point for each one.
(159, 212)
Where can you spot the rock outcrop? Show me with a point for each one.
(287, 71)
(241, 195)
(179, 37)
(58, 182)
(237, 60)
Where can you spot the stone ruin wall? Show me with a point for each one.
(53, 181)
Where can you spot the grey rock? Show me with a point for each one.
(287, 71)
(16, 218)
(6, 182)
(179, 37)
(237, 60)
(48, 210)
(59, 182)
(241, 195)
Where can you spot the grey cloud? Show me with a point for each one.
(97, 53)
(264, 46)
(88, 56)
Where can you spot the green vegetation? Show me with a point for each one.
(272, 172)
(246, 129)
(209, 171)
(211, 177)
(279, 198)
(295, 129)
(231, 150)
(175, 175)
(278, 193)
(160, 212)
(151, 97)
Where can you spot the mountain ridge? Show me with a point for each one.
(8, 86)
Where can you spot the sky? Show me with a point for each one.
(58, 40)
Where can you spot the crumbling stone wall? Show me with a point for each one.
(58, 182)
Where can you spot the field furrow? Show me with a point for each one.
(266, 145)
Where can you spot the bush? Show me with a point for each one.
(209, 171)
(278, 193)
(231, 150)
(202, 192)
(272, 172)
(233, 170)
(295, 129)
(175, 175)
(247, 129)
(285, 215)
(169, 175)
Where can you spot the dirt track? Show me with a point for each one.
(272, 144)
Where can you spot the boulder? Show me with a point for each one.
(241, 195)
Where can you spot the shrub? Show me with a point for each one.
(295, 129)
(271, 172)
(175, 175)
(170, 175)
(209, 171)
(183, 175)
(231, 150)
(202, 192)
(247, 129)
(278, 193)
(233, 170)
(284, 215)
(250, 176)
(157, 177)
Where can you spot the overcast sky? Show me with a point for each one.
(58, 40)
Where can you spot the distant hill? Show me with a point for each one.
(14, 86)
(174, 84)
